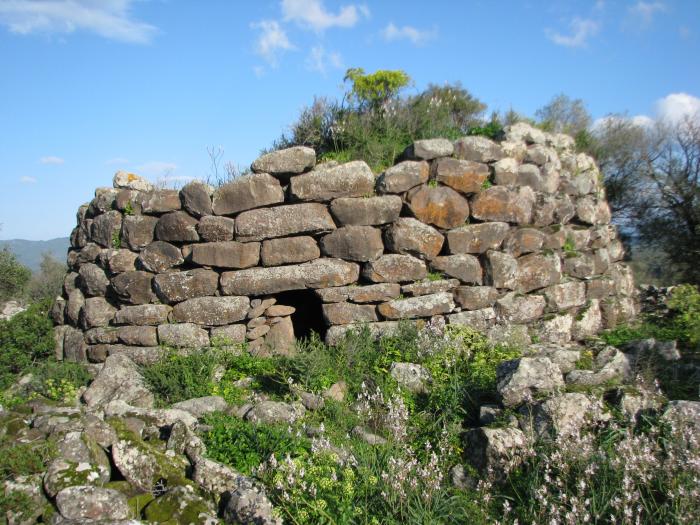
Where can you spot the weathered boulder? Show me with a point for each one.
(137, 335)
(414, 378)
(581, 266)
(475, 297)
(211, 311)
(352, 179)
(119, 261)
(138, 231)
(105, 229)
(179, 286)
(213, 228)
(92, 280)
(335, 334)
(403, 176)
(353, 243)
(161, 201)
(103, 201)
(524, 240)
(505, 171)
(200, 406)
(428, 287)
(183, 335)
(196, 198)
(518, 380)
(490, 450)
(516, 308)
(537, 271)
(502, 270)
(289, 250)
(566, 295)
(562, 416)
(133, 287)
(462, 266)
(226, 254)
(119, 379)
(413, 237)
(270, 412)
(366, 211)
(74, 347)
(347, 313)
(160, 256)
(143, 465)
(480, 320)
(280, 339)
(464, 176)
(320, 273)
(477, 238)
(177, 226)
(296, 159)
(395, 268)
(372, 293)
(593, 211)
(228, 335)
(96, 312)
(141, 315)
(246, 193)
(92, 503)
(440, 206)
(428, 149)
(280, 221)
(124, 179)
(499, 203)
(421, 306)
(477, 149)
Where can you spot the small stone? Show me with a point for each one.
(422, 306)
(257, 332)
(184, 335)
(412, 237)
(441, 206)
(196, 198)
(296, 159)
(415, 378)
(160, 256)
(462, 266)
(228, 335)
(480, 320)
(475, 297)
(462, 175)
(279, 310)
(366, 436)
(519, 379)
(352, 179)
(514, 308)
(502, 270)
(524, 240)
(131, 181)
(395, 268)
(477, 238)
(270, 412)
(403, 176)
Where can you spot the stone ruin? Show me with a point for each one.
(512, 238)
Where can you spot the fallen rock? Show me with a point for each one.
(270, 412)
(495, 450)
(119, 379)
(86, 502)
(415, 378)
(518, 380)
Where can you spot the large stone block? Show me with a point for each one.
(537, 271)
(74, 346)
(133, 287)
(475, 297)
(441, 206)
(92, 280)
(502, 270)
(505, 171)
(395, 268)
(566, 295)
(211, 311)
(142, 315)
(480, 320)
(131, 181)
(464, 176)
(477, 149)
(463, 266)
(352, 179)
(289, 250)
(429, 287)
(413, 237)
(212, 228)
(428, 149)
(226, 254)
(421, 306)
(581, 265)
(177, 226)
(503, 204)
(347, 313)
(175, 287)
(185, 335)
(103, 202)
(593, 211)
(157, 202)
(524, 240)
(336, 334)
(292, 160)
(138, 231)
(353, 243)
(160, 256)
(372, 293)
(196, 198)
(477, 238)
(75, 303)
(138, 335)
(119, 261)
(280, 339)
(519, 380)
(321, 273)
(246, 193)
(96, 312)
(280, 221)
(366, 211)
(515, 308)
(105, 229)
(404, 176)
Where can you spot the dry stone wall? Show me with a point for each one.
(513, 238)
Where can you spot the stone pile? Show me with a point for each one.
(511, 238)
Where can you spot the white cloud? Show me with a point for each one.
(581, 30)
(638, 120)
(155, 168)
(107, 18)
(51, 160)
(27, 180)
(642, 121)
(272, 42)
(312, 14)
(418, 37)
(675, 107)
(319, 60)
(643, 12)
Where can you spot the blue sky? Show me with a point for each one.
(91, 86)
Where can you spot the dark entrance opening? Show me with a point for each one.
(308, 316)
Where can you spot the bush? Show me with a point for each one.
(47, 284)
(24, 339)
(13, 276)
(180, 377)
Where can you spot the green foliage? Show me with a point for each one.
(372, 90)
(14, 277)
(129, 209)
(23, 459)
(569, 246)
(432, 183)
(59, 380)
(24, 339)
(564, 115)
(244, 445)
(435, 276)
(116, 240)
(685, 304)
(492, 130)
(179, 377)
(48, 283)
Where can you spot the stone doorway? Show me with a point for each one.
(308, 316)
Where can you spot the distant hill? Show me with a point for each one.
(29, 252)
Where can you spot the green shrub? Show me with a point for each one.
(244, 445)
(180, 377)
(24, 339)
(60, 380)
(684, 302)
(24, 459)
(14, 276)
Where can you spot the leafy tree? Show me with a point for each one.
(48, 282)
(374, 90)
(13, 276)
(564, 115)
